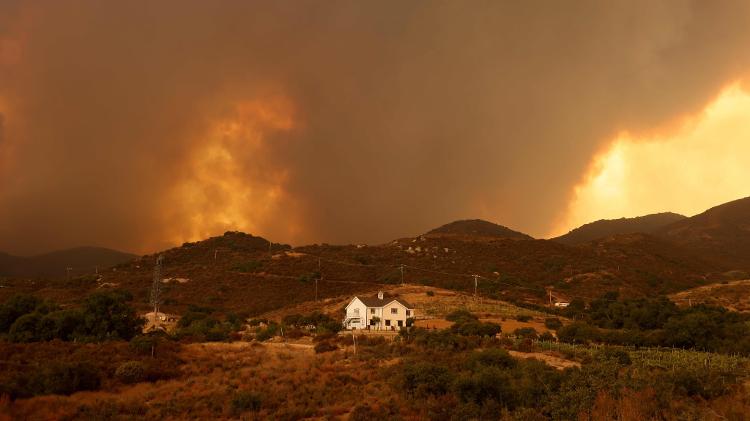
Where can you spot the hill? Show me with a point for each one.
(476, 228)
(721, 234)
(608, 227)
(81, 260)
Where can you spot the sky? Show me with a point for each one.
(140, 125)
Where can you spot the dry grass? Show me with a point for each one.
(734, 295)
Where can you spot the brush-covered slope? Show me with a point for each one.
(54, 265)
(721, 233)
(608, 227)
(476, 228)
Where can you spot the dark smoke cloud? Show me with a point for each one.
(407, 114)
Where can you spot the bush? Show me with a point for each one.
(430, 293)
(66, 378)
(493, 357)
(486, 384)
(325, 346)
(460, 316)
(143, 345)
(15, 307)
(26, 328)
(526, 332)
(267, 333)
(523, 317)
(618, 355)
(425, 379)
(131, 372)
(552, 323)
(244, 401)
(476, 328)
(546, 336)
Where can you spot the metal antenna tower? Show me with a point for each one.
(156, 289)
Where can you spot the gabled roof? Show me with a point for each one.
(377, 302)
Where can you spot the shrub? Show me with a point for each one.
(526, 332)
(15, 307)
(546, 336)
(430, 293)
(66, 378)
(476, 328)
(493, 357)
(523, 317)
(552, 323)
(62, 324)
(424, 379)
(487, 383)
(460, 316)
(244, 401)
(26, 328)
(143, 344)
(325, 346)
(131, 372)
(257, 322)
(618, 355)
(267, 333)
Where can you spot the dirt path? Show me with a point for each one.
(551, 360)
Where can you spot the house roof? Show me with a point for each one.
(377, 302)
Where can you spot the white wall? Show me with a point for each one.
(357, 309)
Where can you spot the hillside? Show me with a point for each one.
(721, 234)
(81, 260)
(242, 272)
(608, 227)
(476, 228)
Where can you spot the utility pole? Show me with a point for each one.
(156, 289)
(320, 275)
(550, 298)
(402, 274)
(216, 251)
(476, 283)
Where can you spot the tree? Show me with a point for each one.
(26, 328)
(107, 315)
(15, 307)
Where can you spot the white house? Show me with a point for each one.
(377, 313)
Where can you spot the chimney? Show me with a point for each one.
(380, 295)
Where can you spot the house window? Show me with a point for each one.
(372, 311)
(372, 322)
(356, 311)
(394, 311)
(400, 323)
(408, 313)
(387, 322)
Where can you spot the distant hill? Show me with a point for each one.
(721, 233)
(608, 227)
(81, 260)
(476, 228)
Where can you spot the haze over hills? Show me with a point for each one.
(607, 227)
(81, 260)
(476, 228)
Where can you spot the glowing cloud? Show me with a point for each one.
(228, 184)
(701, 164)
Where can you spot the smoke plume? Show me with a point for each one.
(141, 124)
